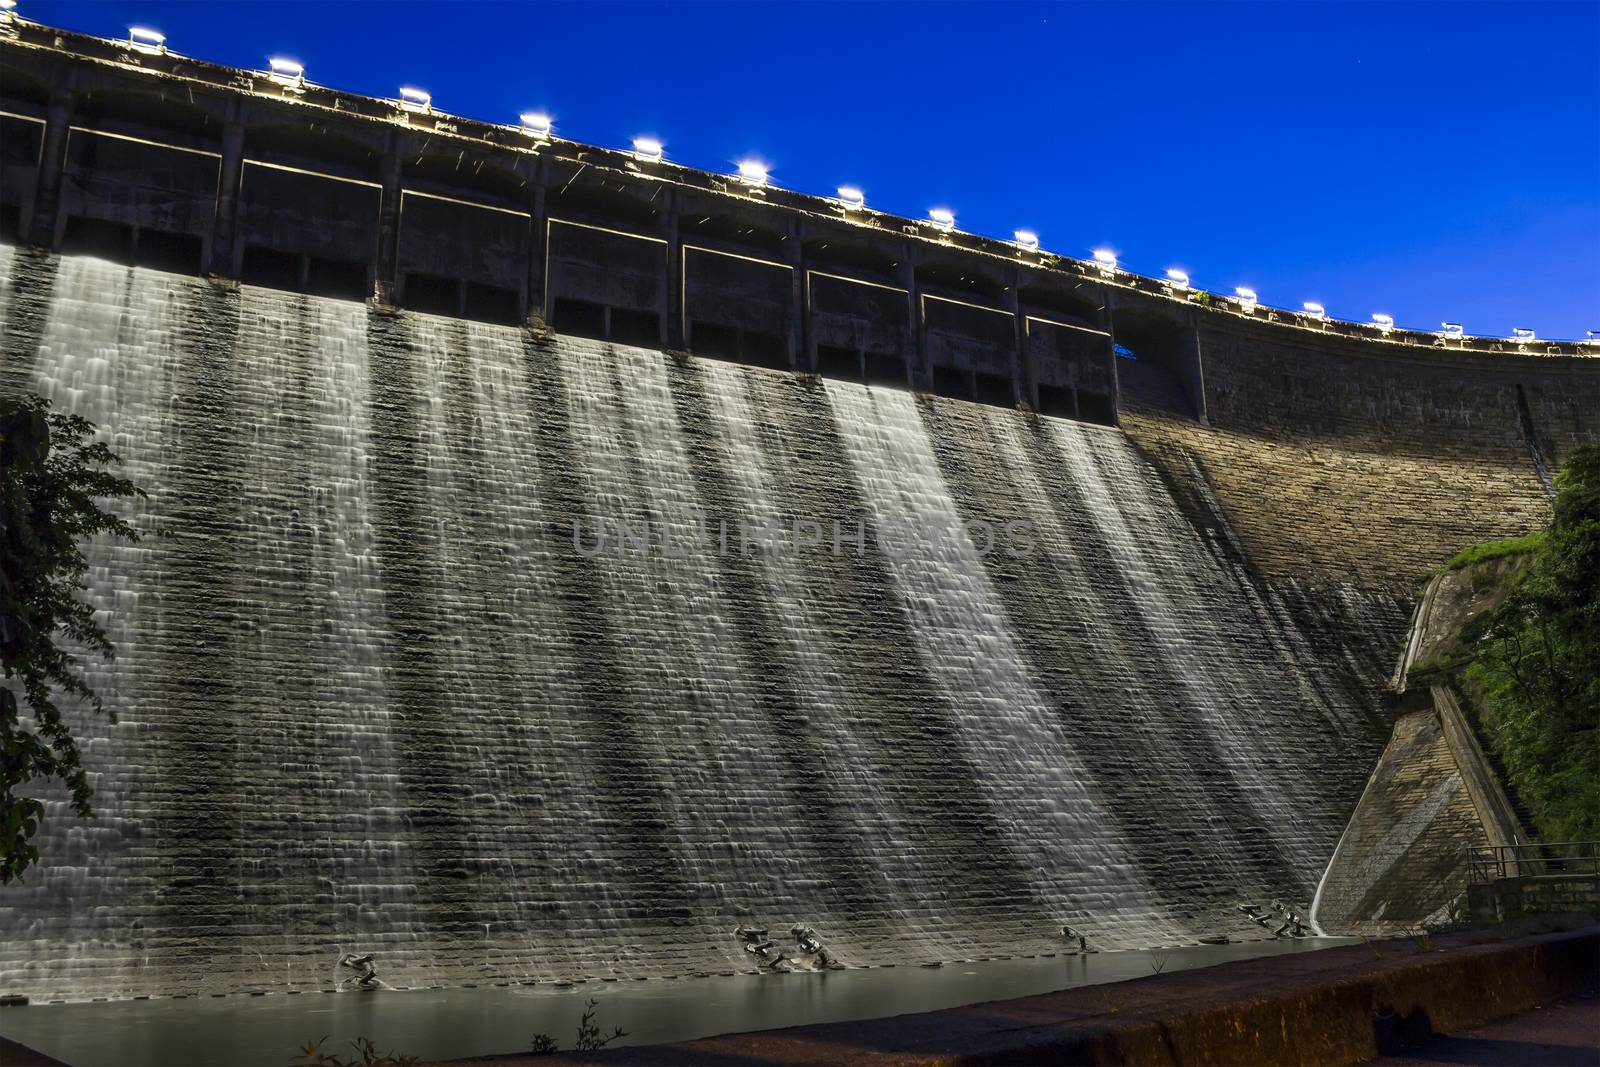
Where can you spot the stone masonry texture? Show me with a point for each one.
(379, 687)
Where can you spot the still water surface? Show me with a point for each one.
(246, 1031)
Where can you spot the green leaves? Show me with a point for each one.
(1536, 665)
(52, 480)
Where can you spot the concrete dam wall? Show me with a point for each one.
(372, 693)
(556, 559)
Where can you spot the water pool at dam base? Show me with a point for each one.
(461, 1022)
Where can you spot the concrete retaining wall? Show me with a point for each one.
(1334, 1007)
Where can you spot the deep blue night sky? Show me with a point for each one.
(1436, 161)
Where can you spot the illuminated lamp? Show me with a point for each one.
(1246, 298)
(150, 42)
(753, 172)
(1451, 331)
(536, 124)
(943, 219)
(1178, 279)
(418, 101)
(286, 72)
(852, 198)
(647, 150)
(1027, 240)
(1314, 310)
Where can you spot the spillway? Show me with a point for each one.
(460, 644)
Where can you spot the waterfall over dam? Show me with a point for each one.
(381, 685)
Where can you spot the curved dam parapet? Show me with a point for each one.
(569, 557)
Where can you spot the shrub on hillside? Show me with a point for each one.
(1537, 665)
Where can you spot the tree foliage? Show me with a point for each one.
(52, 477)
(1537, 665)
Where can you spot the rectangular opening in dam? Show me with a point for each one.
(178, 253)
(100, 238)
(994, 389)
(433, 293)
(1058, 401)
(580, 318)
(885, 370)
(953, 382)
(1096, 407)
(272, 269)
(841, 363)
(341, 279)
(632, 326)
(492, 303)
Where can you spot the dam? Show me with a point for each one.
(555, 559)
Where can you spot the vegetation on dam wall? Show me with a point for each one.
(1534, 666)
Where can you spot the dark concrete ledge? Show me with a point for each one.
(1340, 1006)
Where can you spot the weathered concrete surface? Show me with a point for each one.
(373, 692)
(1563, 1034)
(13, 1054)
(1334, 466)
(1402, 859)
(1432, 799)
(1340, 1006)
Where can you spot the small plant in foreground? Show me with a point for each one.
(369, 1056)
(590, 1038)
(1158, 961)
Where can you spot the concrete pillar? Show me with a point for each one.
(672, 324)
(538, 314)
(385, 283)
(1108, 324)
(225, 222)
(1021, 374)
(798, 326)
(1196, 380)
(44, 227)
(917, 358)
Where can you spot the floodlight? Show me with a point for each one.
(944, 220)
(1451, 331)
(1314, 310)
(536, 124)
(419, 101)
(647, 150)
(1521, 335)
(1246, 298)
(8, 11)
(150, 42)
(286, 72)
(1178, 279)
(1106, 260)
(1594, 337)
(752, 172)
(1027, 240)
(1383, 322)
(852, 198)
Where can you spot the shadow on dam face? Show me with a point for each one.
(372, 693)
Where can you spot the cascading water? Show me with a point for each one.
(461, 647)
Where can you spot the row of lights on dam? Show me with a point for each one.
(754, 173)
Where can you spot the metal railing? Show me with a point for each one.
(1556, 859)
